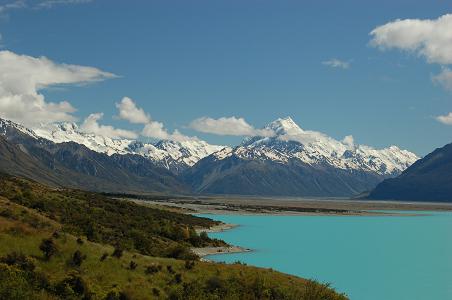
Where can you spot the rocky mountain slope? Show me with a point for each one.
(429, 179)
(69, 164)
(296, 162)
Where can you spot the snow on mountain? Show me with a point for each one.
(173, 155)
(315, 148)
(7, 125)
(69, 132)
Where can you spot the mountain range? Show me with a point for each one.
(289, 161)
(428, 179)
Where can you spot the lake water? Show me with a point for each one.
(391, 258)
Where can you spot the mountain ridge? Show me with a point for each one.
(428, 179)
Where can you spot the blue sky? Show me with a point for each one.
(259, 60)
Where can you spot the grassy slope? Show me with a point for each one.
(22, 229)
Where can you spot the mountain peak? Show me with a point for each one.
(283, 126)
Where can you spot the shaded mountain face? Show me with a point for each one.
(70, 164)
(175, 156)
(296, 162)
(429, 179)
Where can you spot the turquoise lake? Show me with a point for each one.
(368, 258)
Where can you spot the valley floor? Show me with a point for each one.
(292, 206)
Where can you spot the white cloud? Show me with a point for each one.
(228, 126)
(336, 63)
(32, 4)
(21, 79)
(446, 119)
(129, 111)
(52, 3)
(444, 78)
(91, 125)
(429, 38)
(12, 5)
(349, 141)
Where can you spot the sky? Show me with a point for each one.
(221, 70)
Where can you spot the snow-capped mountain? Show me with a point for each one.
(72, 164)
(289, 161)
(172, 155)
(301, 162)
(315, 148)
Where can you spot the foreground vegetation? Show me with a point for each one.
(45, 254)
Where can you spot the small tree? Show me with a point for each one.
(48, 247)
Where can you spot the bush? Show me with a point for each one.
(117, 252)
(48, 247)
(104, 256)
(77, 258)
(72, 286)
(13, 284)
(189, 264)
(79, 241)
(170, 269)
(20, 260)
(153, 268)
(133, 265)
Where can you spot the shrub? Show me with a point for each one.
(48, 247)
(77, 258)
(133, 265)
(79, 241)
(72, 286)
(104, 256)
(20, 260)
(178, 278)
(117, 252)
(189, 264)
(170, 269)
(153, 268)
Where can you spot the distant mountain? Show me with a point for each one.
(69, 164)
(289, 161)
(296, 162)
(429, 179)
(175, 156)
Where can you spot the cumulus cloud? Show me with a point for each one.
(446, 119)
(91, 125)
(228, 126)
(22, 78)
(129, 111)
(336, 63)
(429, 38)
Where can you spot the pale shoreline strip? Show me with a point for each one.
(206, 251)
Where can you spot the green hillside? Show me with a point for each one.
(66, 244)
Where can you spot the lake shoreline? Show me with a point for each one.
(202, 252)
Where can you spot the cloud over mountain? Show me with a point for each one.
(91, 125)
(228, 126)
(23, 77)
